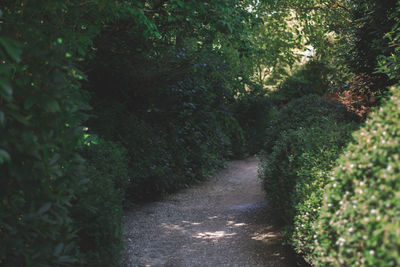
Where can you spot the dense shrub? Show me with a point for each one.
(359, 222)
(296, 171)
(372, 20)
(304, 112)
(254, 112)
(312, 78)
(169, 155)
(168, 104)
(361, 94)
(97, 208)
(41, 114)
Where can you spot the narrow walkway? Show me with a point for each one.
(223, 222)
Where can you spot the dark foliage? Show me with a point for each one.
(304, 112)
(372, 21)
(312, 78)
(97, 207)
(312, 132)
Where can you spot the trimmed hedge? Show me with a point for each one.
(360, 219)
(304, 112)
(298, 167)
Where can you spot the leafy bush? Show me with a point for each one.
(298, 167)
(170, 155)
(359, 223)
(309, 79)
(304, 112)
(254, 112)
(170, 107)
(361, 94)
(41, 114)
(97, 208)
(390, 65)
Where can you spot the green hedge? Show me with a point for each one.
(96, 210)
(359, 222)
(254, 112)
(311, 78)
(304, 112)
(298, 167)
(42, 109)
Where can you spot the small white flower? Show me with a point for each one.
(371, 252)
(341, 241)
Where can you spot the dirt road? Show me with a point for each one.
(225, 221)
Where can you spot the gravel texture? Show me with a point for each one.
(225, 221)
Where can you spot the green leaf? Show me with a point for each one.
(180, 3)
(5, 89)
(20, 118)
(12, 48)
(54, 159)
(58, 249)
(44, 208)
(2, 118)
(52, 105)
(4, 156)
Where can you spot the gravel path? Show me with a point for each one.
(225, 221)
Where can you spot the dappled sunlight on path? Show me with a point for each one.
(223, 222)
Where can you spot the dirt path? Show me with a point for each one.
(223, 222)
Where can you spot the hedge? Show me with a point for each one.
(359, 222)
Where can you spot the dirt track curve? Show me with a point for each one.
(225, 221)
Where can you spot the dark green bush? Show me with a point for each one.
(312, 78)
(97, 208)
(254, 112)
(169, 155)
(296, 170)
(41, 106)
(170, 107)
(41, 114)
(359, 223)
(304, 112)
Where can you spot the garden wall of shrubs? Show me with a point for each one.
(100, 105)
(341, 173)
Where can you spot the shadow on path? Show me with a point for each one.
(225, 221)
